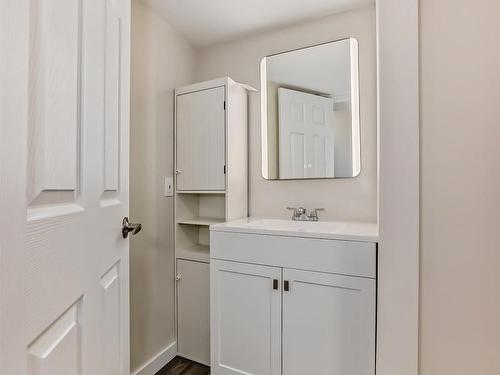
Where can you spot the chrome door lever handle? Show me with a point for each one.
(128, 227)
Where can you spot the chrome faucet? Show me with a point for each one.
(300, 214)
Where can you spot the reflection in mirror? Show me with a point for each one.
(310, 112)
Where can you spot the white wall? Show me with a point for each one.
(344, 199)
(460, 181)
(161, 61)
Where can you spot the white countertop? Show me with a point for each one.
(347, 231)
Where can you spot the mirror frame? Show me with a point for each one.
(355, 103)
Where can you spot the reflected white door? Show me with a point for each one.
(306, 135)
(75, 261)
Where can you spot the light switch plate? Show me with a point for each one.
(169, 187)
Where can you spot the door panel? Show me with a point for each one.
(58, 349)
(246, 313)
(200, 140)
(306, 135)
(193, 309)
(111, 320)
(328, 324)
(112, 96)
(76, 273)
(54, 96)
(297, 156)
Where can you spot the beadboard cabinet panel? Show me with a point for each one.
(200, 140)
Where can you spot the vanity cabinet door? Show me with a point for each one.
(246, 319)
(200, 140)
(328, 324)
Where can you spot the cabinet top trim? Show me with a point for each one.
(223, 81)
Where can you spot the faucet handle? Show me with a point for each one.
(313, 215)
(297, 212)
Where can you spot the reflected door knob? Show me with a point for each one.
(128, 227)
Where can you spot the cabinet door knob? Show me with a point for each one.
(177, 277)
(275, 284)
(286, 285)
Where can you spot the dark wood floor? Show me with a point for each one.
(182, 366)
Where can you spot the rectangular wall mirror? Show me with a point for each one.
(310, 112)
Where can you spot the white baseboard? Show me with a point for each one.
(157, 362)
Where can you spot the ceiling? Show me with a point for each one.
(206, 22)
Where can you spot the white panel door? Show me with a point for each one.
(246, 318)
(74, 266)
(328, 324)
(200, 140)
(193, 309)
(306, 135)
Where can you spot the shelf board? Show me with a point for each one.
(221, 192)
(202, 221)
(199, 253)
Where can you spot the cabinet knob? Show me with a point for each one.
(177, 277)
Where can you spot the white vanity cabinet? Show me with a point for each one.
(290, 303)
(210, 187)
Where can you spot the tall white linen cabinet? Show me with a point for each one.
(210, 158)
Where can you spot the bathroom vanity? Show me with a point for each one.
(294, 298)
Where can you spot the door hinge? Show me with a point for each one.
(224, 105)
(224, 169)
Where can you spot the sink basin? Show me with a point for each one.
(315, 229)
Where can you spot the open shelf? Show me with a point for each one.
(193, 239)
(195, 211)
(203, 221)
(199, 253)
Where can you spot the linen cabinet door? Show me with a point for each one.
(200, 140)
(193, 309)
(246, 319)
(328, 324)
